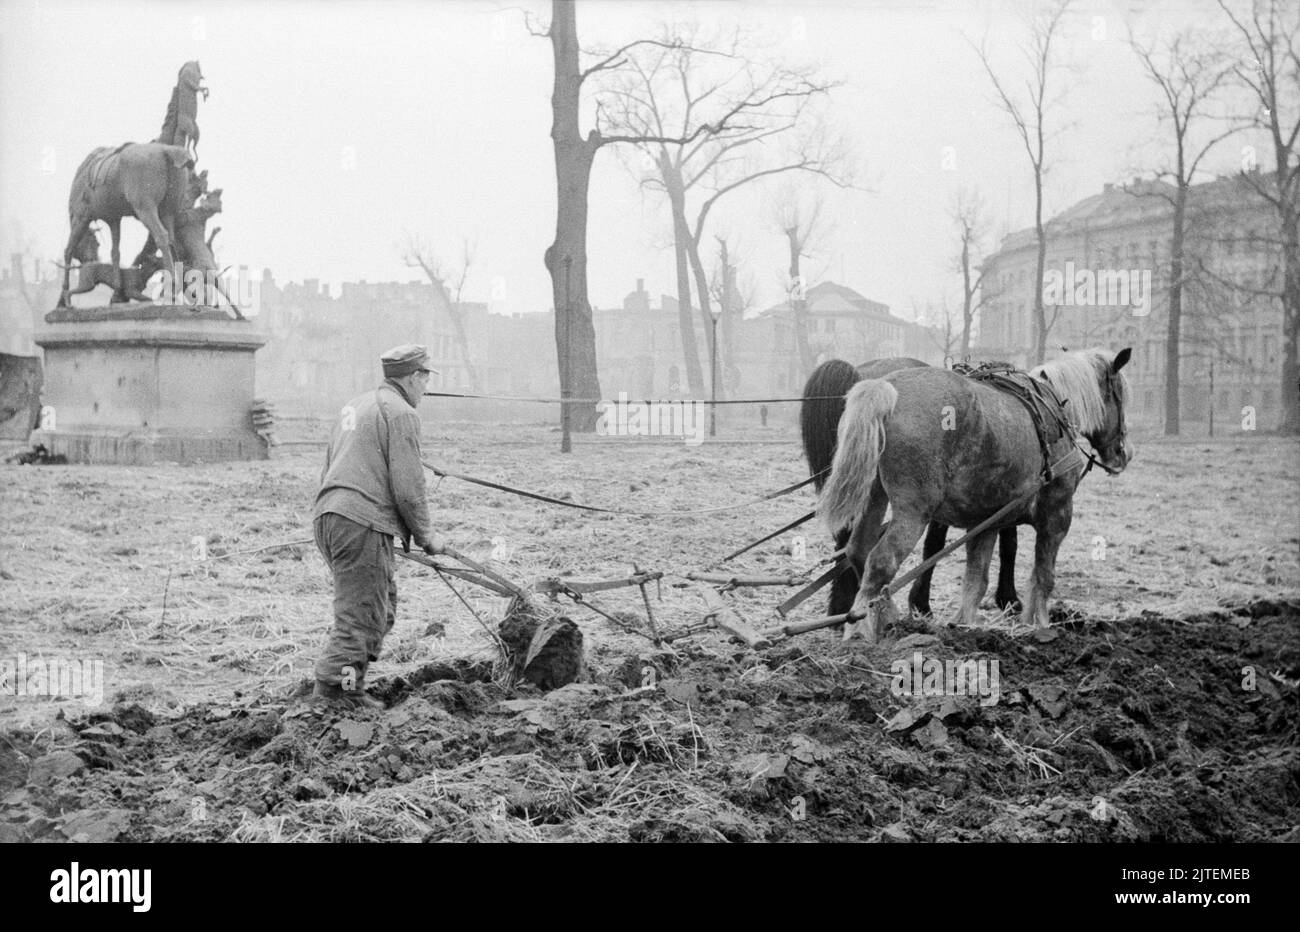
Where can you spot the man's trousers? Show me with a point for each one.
(365, 597)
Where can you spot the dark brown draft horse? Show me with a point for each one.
(933, 445)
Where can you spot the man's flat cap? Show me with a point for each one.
(405, 359)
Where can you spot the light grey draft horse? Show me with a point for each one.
(933, 445)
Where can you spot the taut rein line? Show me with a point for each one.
(440, 472)
(1092, 461)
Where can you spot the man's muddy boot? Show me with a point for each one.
(335, 695)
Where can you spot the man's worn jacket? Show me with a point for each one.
(372, 473)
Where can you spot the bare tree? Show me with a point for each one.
(970, 217)
(1189, 74)
(566, 257)
(1219, 300)
(940, 325)
(733, 298)
(1270, 32)
(800, 222)
(688, 80)
(447, 290)
(1029, 112)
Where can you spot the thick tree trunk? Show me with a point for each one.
(706, 309)
(727, 328)
(1040, 317)
(1173, 333)
(672, 178)
(566, 258)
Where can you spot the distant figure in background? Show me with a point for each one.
(372, 490)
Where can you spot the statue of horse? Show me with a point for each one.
(147, 181)
(819, 419)
(933, 445)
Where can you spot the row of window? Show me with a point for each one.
(869, 328)
(1240, 243)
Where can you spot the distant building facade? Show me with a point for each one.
(322, 349)
(842, 324)
(639, 346)
(323, 345)
(1119, 240)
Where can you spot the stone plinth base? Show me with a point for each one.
(144, 449)
(148, 383)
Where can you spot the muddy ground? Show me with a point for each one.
(1162, 706)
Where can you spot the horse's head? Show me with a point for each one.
(1098, 396)
(1110, 439)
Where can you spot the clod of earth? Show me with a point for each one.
(1139, 730)
(545, 650)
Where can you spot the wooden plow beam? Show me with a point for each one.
(733, 581)
(478, 579)
(723, 616)
(719, 615)
(577, 590)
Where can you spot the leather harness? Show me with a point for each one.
(1046, 408)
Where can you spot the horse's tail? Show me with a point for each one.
(857, 454)
(819, 415)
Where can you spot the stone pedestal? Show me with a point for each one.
(148, 383)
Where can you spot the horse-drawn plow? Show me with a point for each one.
(1130, 722)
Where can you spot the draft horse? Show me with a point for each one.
(819, 419)
(936, 446)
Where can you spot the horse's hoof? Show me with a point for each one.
(859, 632)
(862, 628)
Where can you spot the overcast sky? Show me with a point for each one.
(335, 128)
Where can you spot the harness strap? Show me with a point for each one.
(1038, 397)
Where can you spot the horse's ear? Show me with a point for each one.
(1121, 359)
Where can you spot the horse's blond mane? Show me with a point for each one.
(1077, 377)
